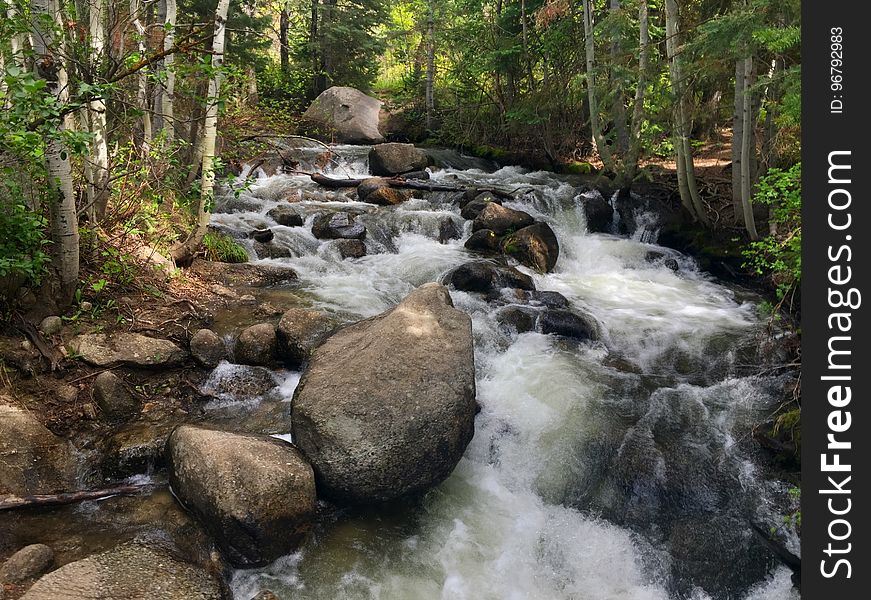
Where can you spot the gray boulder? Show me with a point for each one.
(386, 407)
(29, 562)
(300, 331)
(131, 571)
(344, 115)
(208, 348)
(256, 345)
(113, 397)
(255, 494)
(338, 225)
(395, 159)
(128, 349)
(32, 459)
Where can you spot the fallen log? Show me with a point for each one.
(400, 182)
(16, 502)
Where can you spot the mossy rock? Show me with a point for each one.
(577, 167)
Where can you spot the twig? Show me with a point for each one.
(15, 502)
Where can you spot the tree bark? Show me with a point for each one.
(168, 97)
(618, 110)
(430, 64)
(525, 37)
(283, 49)
(142, 76)
(746, 148)
(630, 164)
(61, 200)
(601, 146)
(184, 252)
(99, 160)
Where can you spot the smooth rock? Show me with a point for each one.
(471, 210)
(535, 246)
(351, 248)
(345, 115)
(256, 345)
(568, 324)
(32, 459)
(387, 196)
(500, 219)
(482, 276)
(483, 240)
(386, 406)
(286, 216)
(518, 318)
(271, 250)
(130, 571)
(369, 185)
(208, 348)
(113, 397)
(29, 562)
(338, 225)
(128, 349)
(255, 494)
(300, 331)
(395, 159)
(51, 325)
(264, 236)
(599, 214)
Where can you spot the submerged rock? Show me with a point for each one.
(131, 571)
(338, 225)
(344, 115)
(482, 276)
(448, 230)
(386, 407)
(29, 562)
(518, 318)
(598, 213)
(500, 219)
(395, 159)
(32, 459)
(255, 494)
(535, 246)
(130, 349)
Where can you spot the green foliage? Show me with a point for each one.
(222, 248)
(779, 256)
(22, 235)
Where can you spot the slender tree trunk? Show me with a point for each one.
(99, 161)
(168, 97)
(283, 28)
(683, 149)
(184, 252)
(737, 140)
(746, 148)
(618, 110)
(601, 146)
(630, 165)
(142, 76)
(525, 37)
(430, 64)
(61, 200)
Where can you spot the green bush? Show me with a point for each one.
(22, 242)
(222, 248)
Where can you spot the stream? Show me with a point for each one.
(621, 469)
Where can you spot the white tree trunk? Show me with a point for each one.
(142, 76)
(99, 161)
(167, 97)
(630, 167)
(184, 251)
(595, 126)
(61, 200)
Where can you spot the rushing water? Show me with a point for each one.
(620, 469)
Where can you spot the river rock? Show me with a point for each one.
(264, 236)
(256, 494)
(344, 115)
(136, 448)
(395, 159)
(51, 325)
(128, 349)
(131, 571)
(543, 298)
(535, 246)
(208, 348)
(300, 331)
(500, 219)
(351, 248)
(519, 318)
(448, 230)
(29, 562)
(419, 175)
(599, 214)
(471, 210)
(482, 276)
(271, 250)
(369, 185)
(32, 459)
(568, 324)
(483, 240)
(387, 196)
(286, 216)
(256, 345)
(386, 407)
(113, 397)
(338, 225)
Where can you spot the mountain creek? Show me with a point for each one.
(612, 386)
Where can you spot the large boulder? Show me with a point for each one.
(255, 494)
(501, 219)
(128, 349)
(535, 246)
(344, 115)
(395, 159)
(32, 459)
(482, 276)
(300, 331)
(338, 225)
(471, 209)
(386, 407)
(131, 571)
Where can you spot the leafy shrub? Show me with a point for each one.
(22, 242)
(222, 248)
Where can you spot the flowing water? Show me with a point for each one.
(619, 469)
